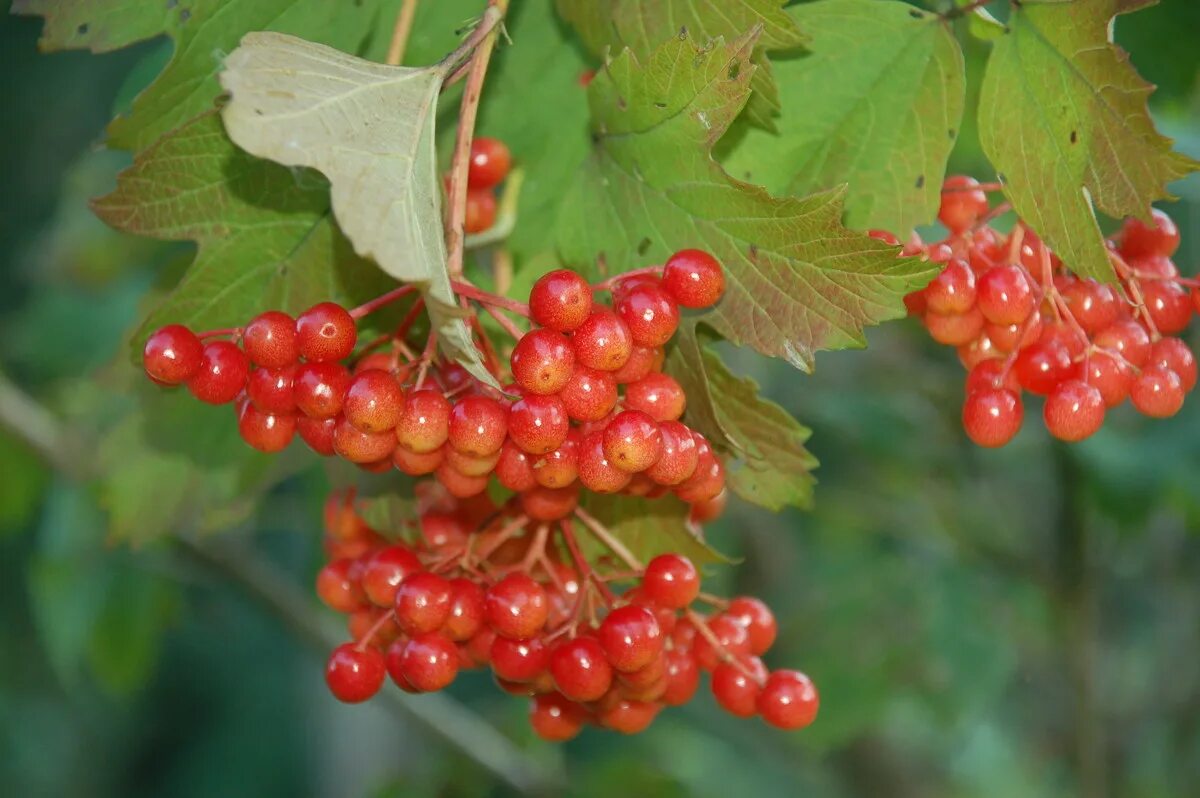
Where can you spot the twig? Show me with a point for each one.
(608, 539)
(464, 288)
(404, 21)
(33, 424)
(381, 300)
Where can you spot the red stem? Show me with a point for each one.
(232, 332)
(463, 288)
(379, 301)
(585, 568)
(606, 285)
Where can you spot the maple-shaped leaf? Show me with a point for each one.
(643, 25)
(369, 128)
(202, 30)
(266, 235)
(797, 279)
(1063, 118)
(645, 527)
(884, 124)
(766, 461)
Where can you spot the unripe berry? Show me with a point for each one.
(325, 332)
(694, 278)
(560, 300)
(172, 354)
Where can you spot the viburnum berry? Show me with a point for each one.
(517, 606)
(264, 431)
(954, 330)
(489, 162)
(991, 417)
(224, 370)
(953, 290)
(538, 424)
(632, 441)
(481, 210)
(542, 361)
(589, 395)
(628, 717)
(325, 332)
(518, 659)
(581, 669)
(1074, 410)
(649, 312)
(671, 580)
(703, 512)
(680, 455)
(338, 587)
(730, 633)
(630, 637)
(1157, 392)
(424, 424)
(478, 425)
(1174, 354)
(1110, 376)
(1094, 305)
(559, 468)
(992, 373)
(642, 361)
(514, 468)
(270, 340)
(759, 622)
(560, 300)
(555, 718)
(602, 341)
(374, 401)
(414, 464)
(466, 616)
(595, 471)
(962, 203)
(469, 465)
(657, 395)
(362, 447)
(271, 390)
(706, 483)
(423, 603)
(1160, 237)
(737, 685)
(384, 572)
(317, 433)
(354, 674)
(695, 279)
(429, 662)
(788, 700)
(1126, 338)
(683, 677)
(1168, 304)
(320, 389)
(1043, 365)
(1004, 295)
(549, 504)
(173, 354)
(458, 484)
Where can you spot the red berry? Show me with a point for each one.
(1004, 295)
(589, 395)
(517, 606)
(429, 662)
(423, 603)
(466, 610)
(707, 482)
(481, 210)
(680, 455)
(671, 581)
(458, 484)
(694, 278)
(1007, 337)
(992, 374)
(1168, 304)
(992, 417)
(962, 203)
(538, 424)
(1042, 366)
(362, 447)
(628, 717)
(224, 370)
(272, 390)
(595, 471)
(1157, 392)
(736, 685)
(1160, 237)
(1111, 377)
(518, 660)
(952, 291)
(734, 639)
(1094, 305)
(270, 340)
(325, 332)
(384, 572)
(710, 509)
(173, 354)
(374, 401)
(642, 360)
(580, 669)
(650, 314)
(424, 424)
(416, 465)
(630, 637)
(317, 433)
(602, 342)
(264, 431)
(683, 677)
(354, 675)
(759, 622)
(338, 587)
(632, 441)
(955, 330)
(555, 718)
(1174, 354)
(489, 164)
(514, 468)
(560, 300)
(788, 700)
(1074, 410)
(559, 468)
(542, 361)
(549, 504)
(657, 395)
(320, 389)
(1128, 339)
(478, 425)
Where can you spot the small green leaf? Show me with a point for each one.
(647, 527)
(1063, 118)
(798, 280)
(391, 515)
(369, 128)
(643, 25)
(767, 462)
(884, 127)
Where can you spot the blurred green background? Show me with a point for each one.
(1016, 623)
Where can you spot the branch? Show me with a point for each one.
(41, 431)
(404, 22)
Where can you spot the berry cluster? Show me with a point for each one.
(488, 587)
(489, 165)
(588, 406)
(1023, 322)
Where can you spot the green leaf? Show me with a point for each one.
(25, 479)
(391, 515)
(369, 128)
(643, 25)
(202, 30)
(797, 279)
(647, 527)
(266, 236)
(764, 446)
(885, 126)
(1063, 118)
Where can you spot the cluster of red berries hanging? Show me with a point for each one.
(492, 587)
(592, 408)
(489, 165)
(1023, 322)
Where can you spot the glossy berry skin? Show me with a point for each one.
(991, 374)
(481, 210)
(952, 291)
(602, 342)
(424, 424)
(1111, 377)
(710, 509)
(737, 685)
(429, 662)
(542, 361)
(707, 483)
(560, 300)
(1168, 304)
(595, 471)
(320, 389)
(423, 603)
(1042, 366)
(992, 417)
(1160, 237)
(694, 278)
(1074, 410)
(384, 572)
(788, 700)
(628, 717)
(478, 426)
(354, 676)
(1094, 305)
(517, 606)
(518, 660)
(538, 424)
(224, 370)
(642, 361)
(325, 332)
(1157, 392)
(362, 447)
(954, 330)
(962, 204)
(680, 455)
(649, 312)
(1126, 338)
(671, 580)
(270, 340)
(630, 637)
(374, 401)
(172, 354)
(1174, 354)
(559, 468)
(271, 390)
(264, 431)
(657, 395)
(459, 485)
(550, 504)
(589, 395)
(758, 619)
(317, 433)
(489, 164)
(1004, 295)
(733, 636)
(466, 616)
(514, 468)
(338, 588)
(555, 718)
(632, 441)
(415, 464)
(580, 669)
(683, 677)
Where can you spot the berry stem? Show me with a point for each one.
(404, 22)
(714, 600)
(375, 627)
(608, 539)
(463, 288)
(581, 562)
(606, 285)
(381, 300)
(704, 631)
(1135, 291)
(409, 319)
(231, 332)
